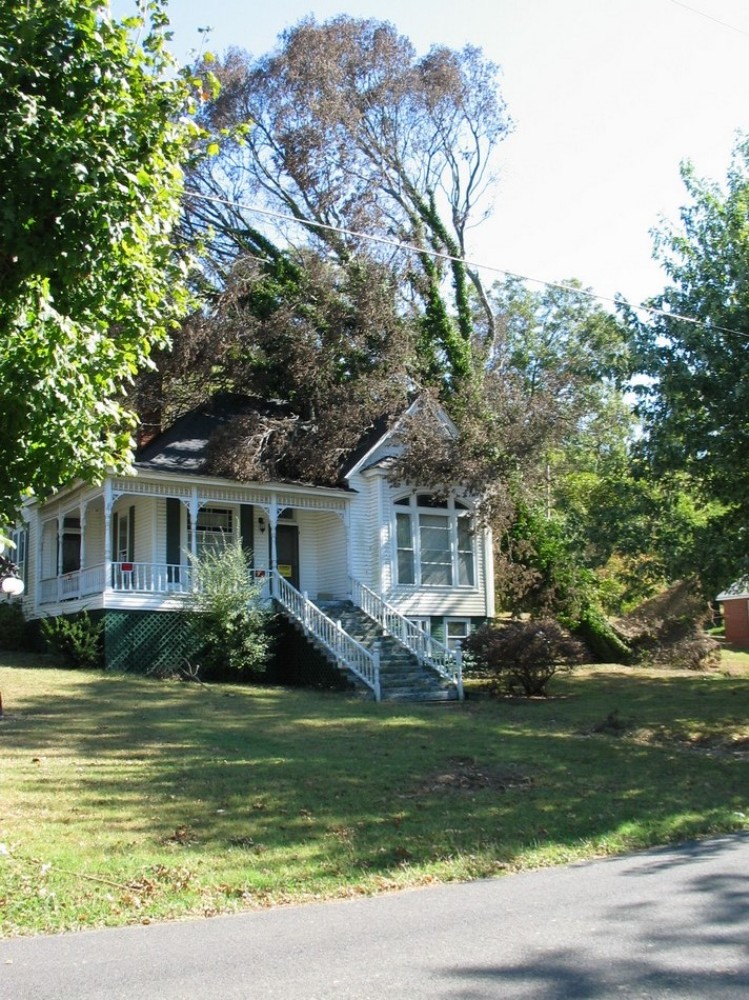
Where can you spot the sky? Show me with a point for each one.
(607, 97)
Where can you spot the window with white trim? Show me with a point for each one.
(457, 631)
(19, 555)
(214, 529)
(434, 542)
(71, 544)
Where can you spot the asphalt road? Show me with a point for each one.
(671, 923)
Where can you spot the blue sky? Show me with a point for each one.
(607, 96)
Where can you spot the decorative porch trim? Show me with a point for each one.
(228, 494)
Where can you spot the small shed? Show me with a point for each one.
(735, 601)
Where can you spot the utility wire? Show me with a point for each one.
(478, 265)
(702, 13)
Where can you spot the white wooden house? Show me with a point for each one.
(417, 564)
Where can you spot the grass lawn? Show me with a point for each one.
(125, 799)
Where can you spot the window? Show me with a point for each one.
(425, 624)
(214, 528)
(71, 544)
(434, 542)
(406, 552)
(123, 539)
(123, 535)
(457, 631)
(19, 555)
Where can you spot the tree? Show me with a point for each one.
(92, 142)
(229, 621)
(351, 130)
(572, 357)
(694, 402)
(317, 352)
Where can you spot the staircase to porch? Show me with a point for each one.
(387, 654)
(402, 677)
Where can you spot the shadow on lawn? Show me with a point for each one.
(352, 784)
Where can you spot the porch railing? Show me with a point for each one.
(151, 578)
(69, 586)
(430, 652)
(347, 651)
(127, 577)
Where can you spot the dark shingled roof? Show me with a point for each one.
(184, 447)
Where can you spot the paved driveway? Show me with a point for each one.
(671, 923)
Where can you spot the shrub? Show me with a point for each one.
(229, 622)
(76, 638)
(13, 633)
(522, 655)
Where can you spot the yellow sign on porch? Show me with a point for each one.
(284, 570)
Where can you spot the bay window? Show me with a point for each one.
(434, 542)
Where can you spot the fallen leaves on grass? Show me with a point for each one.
(465, 774)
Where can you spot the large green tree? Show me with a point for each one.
(93, 135)
(695, 354)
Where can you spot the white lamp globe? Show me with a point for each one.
(12, 585)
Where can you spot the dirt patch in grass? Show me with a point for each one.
(712, 744)
(466, 774)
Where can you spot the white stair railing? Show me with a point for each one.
(348, 653)
(430, 652)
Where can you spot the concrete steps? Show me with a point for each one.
(402, 677)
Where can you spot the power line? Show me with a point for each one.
(478, 265)
(717, 20)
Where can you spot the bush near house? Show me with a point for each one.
(229, 623)
(13, 631)
(522, 656)
(78, 639)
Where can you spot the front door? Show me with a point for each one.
(287, 552)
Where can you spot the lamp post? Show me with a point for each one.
(10, 581)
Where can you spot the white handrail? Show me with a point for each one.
(429, 651)
(347, 651)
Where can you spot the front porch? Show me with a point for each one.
(129, 543)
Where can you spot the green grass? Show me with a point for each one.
(125, 799)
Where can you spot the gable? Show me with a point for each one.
(387, 446)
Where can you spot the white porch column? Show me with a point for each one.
(345, 516)
(37, 532)
(195, 506)
(108, 505)
(60, 532)
(488, 555)
(273, 522)
(382, 537)
(82, 509)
